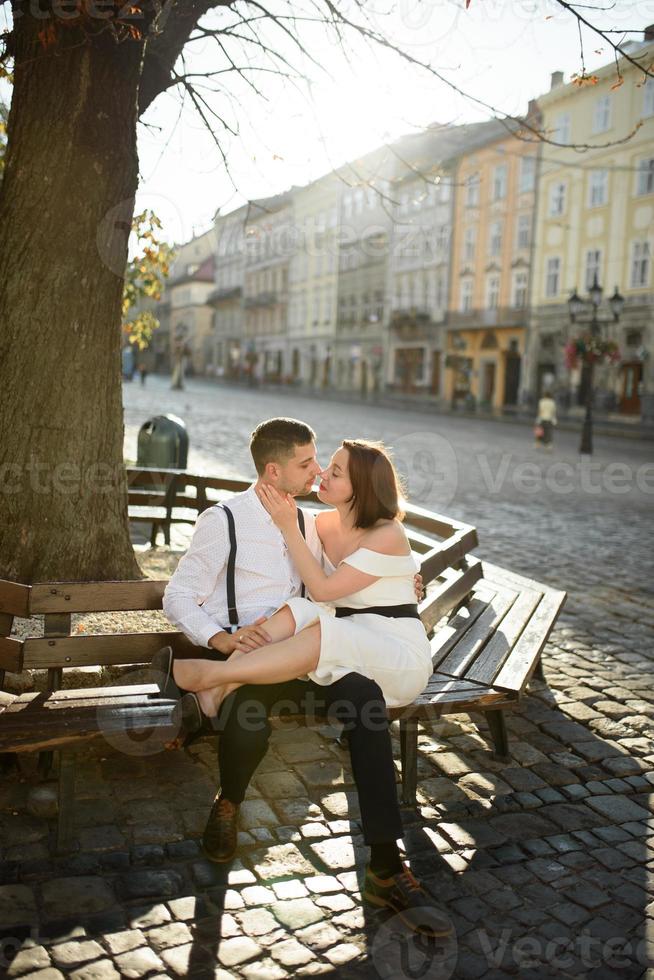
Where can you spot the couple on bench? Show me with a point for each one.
(357, 646)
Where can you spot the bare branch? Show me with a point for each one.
(619, 49)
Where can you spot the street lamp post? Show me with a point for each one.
(576, 307)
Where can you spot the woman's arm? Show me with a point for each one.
(322, 587)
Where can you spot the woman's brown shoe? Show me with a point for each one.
(221, 833)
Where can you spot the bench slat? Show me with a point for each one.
(455, 587)
(516, 672)
(87, 696)
(447, 554)
(82, 597)
(495, 652)
(14, 598)
(102, 649)
(11, 654)
(445, 638)
(464, 653)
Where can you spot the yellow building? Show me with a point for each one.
(188, 316)
(595, 218)
(490, 269)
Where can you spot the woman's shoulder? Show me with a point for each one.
(387, 537)
(325, 518)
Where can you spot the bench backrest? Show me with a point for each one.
(443, 546)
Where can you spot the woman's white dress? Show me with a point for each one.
(395, 652)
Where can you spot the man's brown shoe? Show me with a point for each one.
(221, 833)
(404, 895)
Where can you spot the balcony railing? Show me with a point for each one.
(224, 293)
(261, 299)
(501, 316)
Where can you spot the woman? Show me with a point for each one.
(546, 419)
(363, 617)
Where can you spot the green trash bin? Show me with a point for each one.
(163, 443)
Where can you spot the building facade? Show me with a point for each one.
(226, 299)
(595, 219)
(185, 316)
(365, 223)
(269, 245)
(313, 280)
(491, 260)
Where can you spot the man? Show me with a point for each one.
(196, 600)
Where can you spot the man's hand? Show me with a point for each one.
(281, 507)
(246, 638)
(419, 587)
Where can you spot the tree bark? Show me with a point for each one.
(66, 204)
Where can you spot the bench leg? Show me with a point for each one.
(409, 759)
(153, 535)
(538, 670)
(66, 800)
(497, 725)
(54, 682)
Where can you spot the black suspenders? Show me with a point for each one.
(231, 562)
(231, 565)
(300, 520)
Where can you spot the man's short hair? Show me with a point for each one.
(274, 441)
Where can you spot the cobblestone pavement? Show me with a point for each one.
(543, 864)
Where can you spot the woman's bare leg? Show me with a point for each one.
(271, 664)
(280, 626)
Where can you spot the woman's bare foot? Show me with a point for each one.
(207, 702)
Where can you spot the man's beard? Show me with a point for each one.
(302, 491)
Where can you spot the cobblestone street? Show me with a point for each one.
(543, 864)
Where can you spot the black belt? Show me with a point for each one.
(407, 611)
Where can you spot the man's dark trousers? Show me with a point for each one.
(354, 700)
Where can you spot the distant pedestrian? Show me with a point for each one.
(545, 420)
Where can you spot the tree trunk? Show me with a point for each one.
(66, 204)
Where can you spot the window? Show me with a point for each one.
(552, 277)
(645, 182)
(640, 264)
(527, 174)
(347, 204)
(442, 238)
(492, 292)
(523, 233)
(445, 189)
(359, 196)
(472, 190)
(466, 296)
(495, 238)
(598, 187)
(557, 200)
(520, 289)
(500, 181)
(371, 196)
(469, 241)
(602, 114)
(648, 98)
(562, 127)
(593, 267)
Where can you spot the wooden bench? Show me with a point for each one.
(488, 628)
(161, 497)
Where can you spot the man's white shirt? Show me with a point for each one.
(195, 599)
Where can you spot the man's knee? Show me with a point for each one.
(359, 702)
(244, 717)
